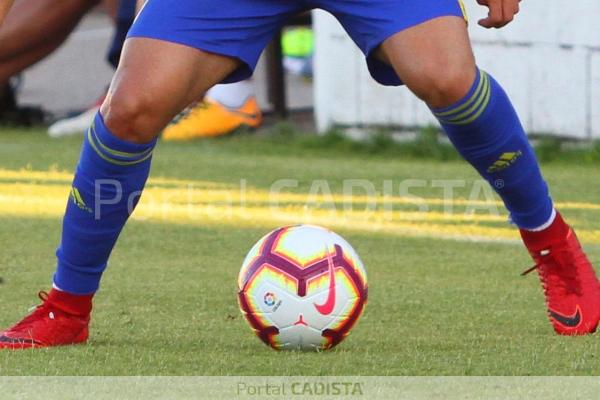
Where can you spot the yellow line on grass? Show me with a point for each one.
(205, 203)
(56, 176)
(227, 191)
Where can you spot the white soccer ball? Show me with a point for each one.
(302, 287)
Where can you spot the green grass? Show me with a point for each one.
(168, 305)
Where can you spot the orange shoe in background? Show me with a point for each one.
(211, 119)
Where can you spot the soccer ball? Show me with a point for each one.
(302, 287)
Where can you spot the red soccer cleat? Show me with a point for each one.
(61, 319)
(570, 285)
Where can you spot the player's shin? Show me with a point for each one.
(110, 177)
(486, 130)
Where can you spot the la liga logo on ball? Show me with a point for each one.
(270, 299)
(302, 288)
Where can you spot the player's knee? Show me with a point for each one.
(130, 117)
(442, 87)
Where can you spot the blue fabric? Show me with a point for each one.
(486, 130)
(242, 29)
(107, 186)
(126, 10)
(125, 18)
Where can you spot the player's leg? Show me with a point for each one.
(430, 51)
(422, 73)
(155, 80)
(427, 45)
(142, 101)
(435, 61)
(176, 51)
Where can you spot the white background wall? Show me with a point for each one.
(548, 60)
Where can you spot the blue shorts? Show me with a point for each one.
(242, 28)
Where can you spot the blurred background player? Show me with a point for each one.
(32, 30)
(23, 44)
(123, 13)
(223, 110)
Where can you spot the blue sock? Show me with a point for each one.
(107, 186)
(486, 131)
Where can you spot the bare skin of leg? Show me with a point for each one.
(154, 82)
(35, 28)
(111, 7)
(434, 60)
(13, 66)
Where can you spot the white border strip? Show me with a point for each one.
(299, 387)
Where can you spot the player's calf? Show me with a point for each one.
(486, 130)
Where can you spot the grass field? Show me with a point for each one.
(446, 297)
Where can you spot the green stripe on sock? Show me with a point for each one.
(483, 98)
(116, 152)
(483, 107)
(112, 160)
(451, 113)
